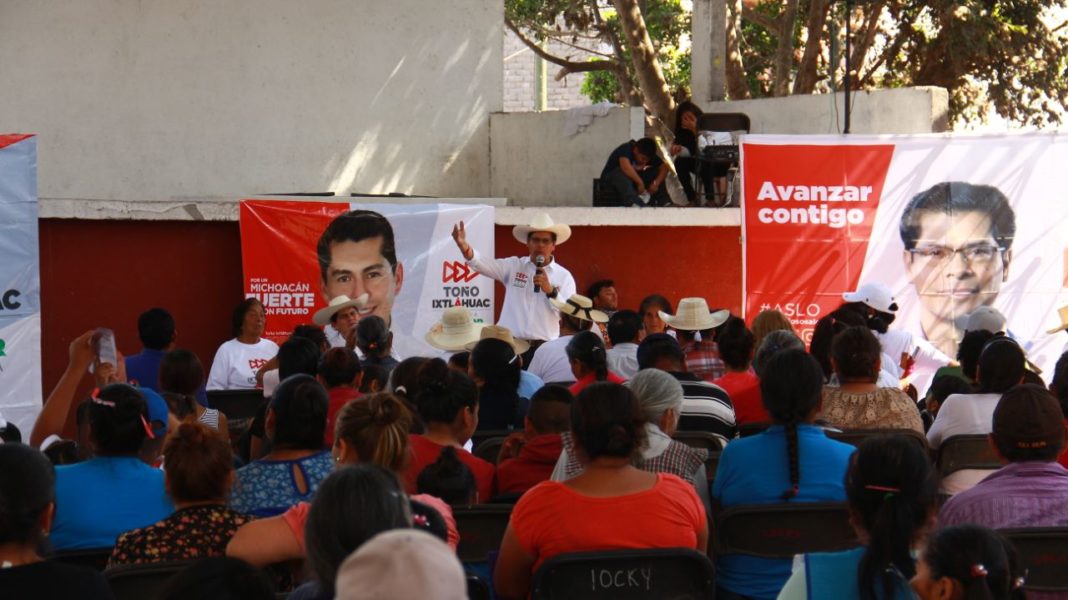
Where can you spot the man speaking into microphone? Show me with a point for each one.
(529, 281)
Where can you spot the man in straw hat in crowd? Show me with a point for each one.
(531, 281)
(550, 361)
(342, 315)
(692, 317)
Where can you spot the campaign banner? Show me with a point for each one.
(20, 283)
(409, 287)
(949, 223)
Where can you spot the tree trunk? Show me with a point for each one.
(865, 39)
(806, 71)
(646, 65)
(784, 54)
(737, 86)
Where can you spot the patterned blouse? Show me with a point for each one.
(190, 533)
(266, 488)
(885, 408)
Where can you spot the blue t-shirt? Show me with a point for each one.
(528, 384)
(98, 499)
(266, 488)
(626, 150)
(835, 575)
(754, 470)
(143, 368)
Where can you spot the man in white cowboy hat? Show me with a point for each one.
(550, 360)
(692, 316)
(339, 318)
(530, 282)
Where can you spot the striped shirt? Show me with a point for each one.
(210, 417)
(705, 407)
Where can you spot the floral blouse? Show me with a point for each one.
(885, 408)
(190, 533)
(266, 488)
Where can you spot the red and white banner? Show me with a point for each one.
(279, 241)
(949, 223)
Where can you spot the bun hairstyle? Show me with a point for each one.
(339, 366)
(892, 491)
(377, 427)
(607, 420)
(774, 342)
(300, 405)
(449, 479)
(823, 334)
(856, 352)
(791, 386)
(27, 487)
(983, 562)
(443, 392)
(118, 420)
(199, 463)
(1001, 365)
(404, 379)
(373, 338)
(587, 348)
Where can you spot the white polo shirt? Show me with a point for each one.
(527, 311)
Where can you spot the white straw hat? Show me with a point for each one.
(1063, 313)
(323, 315)
(504, 334)
(692, 314)
(581, 307)
(456, 329)
(542, 222)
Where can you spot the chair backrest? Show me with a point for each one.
(677, 573)
(702, 440)
(481, 528)
(236, 404)
(477, 588)
(94, 558)
(482, 435)
(854, 437)
(1044, 553)
(966, 452)
(724, 122)
(784, 530)
(749, 429)
(489, 449)
(136, 582)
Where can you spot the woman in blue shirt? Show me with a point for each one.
(791, 461)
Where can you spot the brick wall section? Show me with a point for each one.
(519, 82)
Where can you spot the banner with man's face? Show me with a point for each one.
(298, 255)
(950, 224)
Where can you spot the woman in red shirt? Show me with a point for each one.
(584, 513)
(588, 361)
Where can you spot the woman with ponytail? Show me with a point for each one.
(375, 341)
(370, 430)
(589, 363)
(297, 462)
(447, 401)
(791, 461)
(969, 562)
(612, 505)
(495, 368)
(180, 376)
(892, 492)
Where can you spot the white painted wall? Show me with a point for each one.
(903, 110)
(534, 163)
(178, 99)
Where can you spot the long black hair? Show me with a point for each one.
(791, 386)
(984, 563)
(587, 348)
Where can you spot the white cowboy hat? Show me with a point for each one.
(456, 329)
(542, 222)
(581, 307)
(692, 314)
(1063, 312)
(504, 334)
(875, 295)
(323, 315)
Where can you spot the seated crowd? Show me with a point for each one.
(634, 429)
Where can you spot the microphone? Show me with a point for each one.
(539, 263)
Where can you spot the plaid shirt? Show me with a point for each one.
(702, 359)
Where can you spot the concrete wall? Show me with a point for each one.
(535, 164)
(903, 110)
(194, 98)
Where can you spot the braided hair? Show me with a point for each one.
(791, 387)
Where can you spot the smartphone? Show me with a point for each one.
(104, 344)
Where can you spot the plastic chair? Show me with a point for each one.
(702, 440)
(1044, 553)
(477, 588)
(482, 435)
(489, 449)
(677, 573)
(967, 452)
(481, 528)
(94, 558)
(784, 530)
(854, 437)
(236, 404)
(749, 429)
(136, 582)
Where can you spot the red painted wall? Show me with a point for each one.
(105, 273)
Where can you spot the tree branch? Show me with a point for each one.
(759, 18)
(570, 65)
